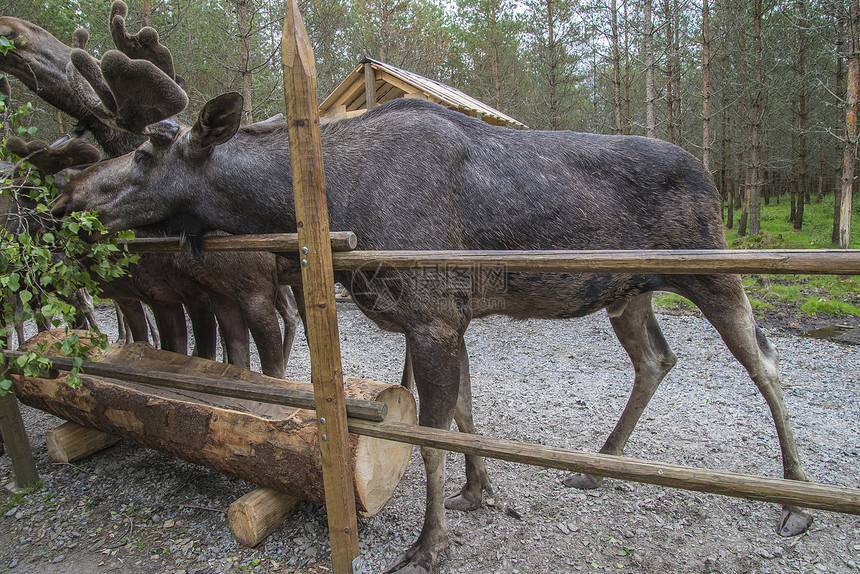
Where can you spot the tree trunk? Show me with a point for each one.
(650, 123)
(676, 57)
(244, 39)
(707, 160)
(147, 13)
(627, 99)
(754, 207)
(270, 445)
(744, 194)
(553, 67)
(840, 79)
(497, 79)
(803, 182)
(850, 126)
(670, 72)
(616, 67)
(727, 170)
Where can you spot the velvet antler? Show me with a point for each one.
(144, 45)
(53, 158)
(130, 88)
(124, 93)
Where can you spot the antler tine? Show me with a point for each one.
(80, 38)
(89, 70)
(84, 75)
(54, 158)
(22, 149)
(144, 45)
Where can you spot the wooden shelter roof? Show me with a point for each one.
(351, 97)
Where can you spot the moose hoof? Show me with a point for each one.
(470, 496)
(463, 501)
(794, 521)
(419, 559)
(583, 481)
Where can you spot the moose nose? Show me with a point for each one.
(62, 207)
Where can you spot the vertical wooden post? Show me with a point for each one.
(300, 89)
(369, 86)
(15, 440)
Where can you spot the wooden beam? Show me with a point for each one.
(333, 98)
(15, 441)
(395, 81)
(387, 93)
(300, 90)
(358, 408)
(369, 86)
(340, 241)
(776, 490)
(335, 112)
(358, 102)
(350, 93)
(807, 261)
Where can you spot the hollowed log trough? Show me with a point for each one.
(270, 445)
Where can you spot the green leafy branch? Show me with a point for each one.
(45, 260)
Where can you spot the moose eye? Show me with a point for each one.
(140, 156)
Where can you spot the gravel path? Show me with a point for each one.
(560, 383)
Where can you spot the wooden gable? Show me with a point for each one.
(372, 83)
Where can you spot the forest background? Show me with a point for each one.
(760, 90)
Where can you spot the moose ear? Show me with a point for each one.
(218, 121)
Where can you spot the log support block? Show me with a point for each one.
(259, 513)
(70, 442)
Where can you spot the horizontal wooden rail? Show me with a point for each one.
(340, 241)
(807, 261)
(357, 408)
(776, 490)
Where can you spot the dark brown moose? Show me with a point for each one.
(413, 175)
(242, 289)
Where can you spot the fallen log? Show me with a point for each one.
(270, 445)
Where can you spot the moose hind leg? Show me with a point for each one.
(435, 354)
(725, 305)
(639, 333)
(477, 480)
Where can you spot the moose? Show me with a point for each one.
(242, 289)
(414, 175)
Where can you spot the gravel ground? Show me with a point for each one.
(560, 383)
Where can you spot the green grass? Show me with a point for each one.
(18, 498)
(810, 294)
(672, 301)
(821, 305)
(777, 232)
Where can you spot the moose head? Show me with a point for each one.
(135, 89)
